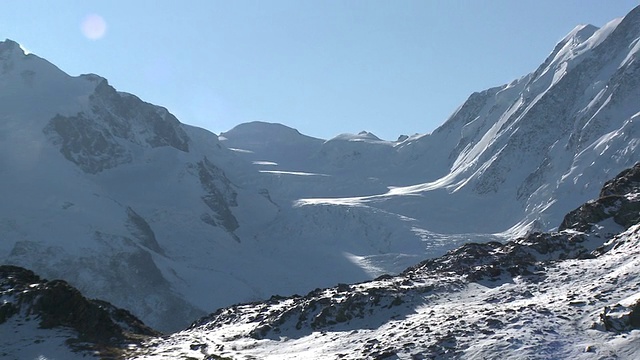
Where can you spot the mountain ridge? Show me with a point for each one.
(41, 312)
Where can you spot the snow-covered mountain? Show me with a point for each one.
(510, 160)
(566, 294)
(529, 150)
(120, 199)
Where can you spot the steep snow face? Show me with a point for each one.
(513, 147)
(567, 294)
(524, 140)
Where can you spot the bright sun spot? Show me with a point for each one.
(93, 27)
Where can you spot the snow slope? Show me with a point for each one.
(127, 204)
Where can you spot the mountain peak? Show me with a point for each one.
(10, 49)
(581, 32)
(575, 37)
(9, 44)
(361, 136)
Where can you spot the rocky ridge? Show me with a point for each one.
(97, 327)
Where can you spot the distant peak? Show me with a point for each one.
(575, 38)
(94, 78)
(8, 43)
(402, 138)
(361, 136)
(262, 127)
(578, 35)
(582, 32)
(368, 135)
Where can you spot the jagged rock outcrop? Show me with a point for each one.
(56, 304)
(220, 196)
(619, 200)
(620, 317)
(93, 140)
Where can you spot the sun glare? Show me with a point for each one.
(93, 27)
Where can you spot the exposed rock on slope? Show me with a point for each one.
(617, 201)
(95, 326)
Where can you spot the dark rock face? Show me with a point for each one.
(90, 146)
(220, 196)
(627, 182)
(523, 256)
(96, 141)
(318, 310)
(57, 304)
(619, 199)
(127, 115)
(142, 231)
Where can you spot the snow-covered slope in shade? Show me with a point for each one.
(117, 197)
(567, 294)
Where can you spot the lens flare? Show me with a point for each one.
(93, 27)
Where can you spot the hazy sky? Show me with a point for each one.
(323, 67)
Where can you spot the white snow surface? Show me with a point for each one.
(24, 339)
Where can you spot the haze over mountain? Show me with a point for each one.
(120, 199)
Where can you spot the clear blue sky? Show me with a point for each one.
(323, 67)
